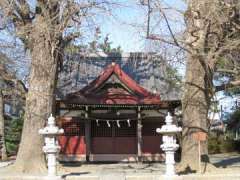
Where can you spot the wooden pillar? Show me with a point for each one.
(139, 135)
(87, 134)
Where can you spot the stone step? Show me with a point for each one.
(130, 177)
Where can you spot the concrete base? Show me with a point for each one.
(26, 177)
(52, 177)
(166, 177)
(131, 177)
(113, 157)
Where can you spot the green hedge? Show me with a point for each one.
(13, 135)
(220, 145)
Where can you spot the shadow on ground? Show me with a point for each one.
(73, 174)
(228, 162)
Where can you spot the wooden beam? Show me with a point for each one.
(87, 134)
(164, 105)
(139, 135)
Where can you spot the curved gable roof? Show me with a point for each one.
(130, 92)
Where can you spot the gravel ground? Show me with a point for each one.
(6, 163)
(229, 168)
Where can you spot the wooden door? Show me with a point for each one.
(113, 139)
(151, 140)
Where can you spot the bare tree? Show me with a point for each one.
(44, 29)
(212, 34)
(211, 40)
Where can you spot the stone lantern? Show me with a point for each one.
(169, 145)
(51, 147)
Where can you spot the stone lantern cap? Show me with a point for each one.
(51, 129)
(169, 147)
(169, 128)
(51, 149)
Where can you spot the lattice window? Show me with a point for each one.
(125, 130)
(101, 129)
(149, 128)
(74, 128)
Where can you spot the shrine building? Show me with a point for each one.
(112, 118)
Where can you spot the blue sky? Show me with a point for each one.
(121, 26)
(127, 24)
(126, 27)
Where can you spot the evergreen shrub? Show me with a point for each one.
(221, 145)
(13, 130)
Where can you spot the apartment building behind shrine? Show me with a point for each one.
(113, 117)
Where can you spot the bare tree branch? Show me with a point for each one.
(227, 86)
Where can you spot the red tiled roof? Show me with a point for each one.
(130, 92)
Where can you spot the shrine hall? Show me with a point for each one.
(112, 119)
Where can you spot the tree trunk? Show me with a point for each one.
(195, 109)
(196, 96)
(39, 101)
(2, 130)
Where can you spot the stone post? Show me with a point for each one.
(169, 145)
(51, 147)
